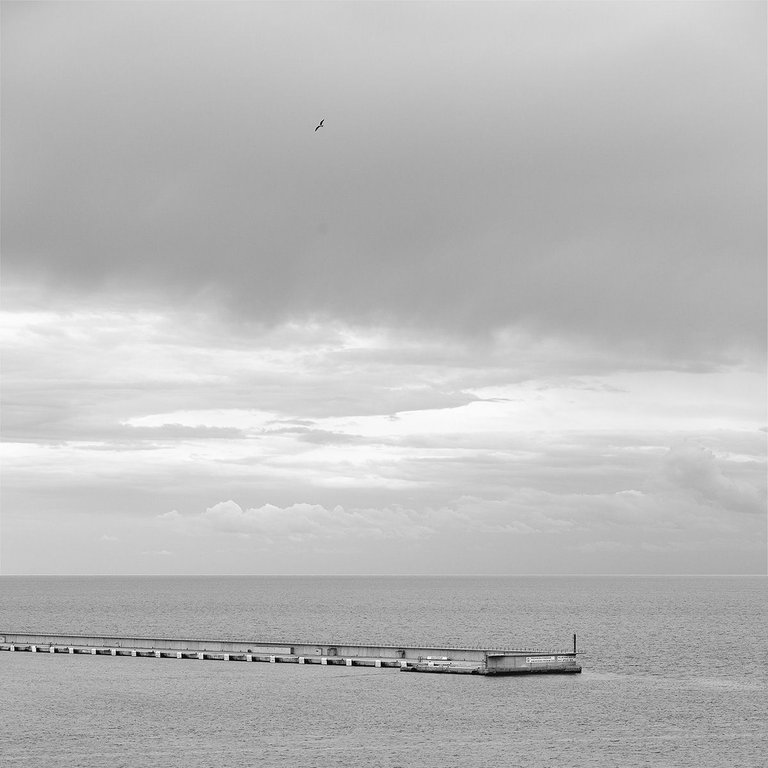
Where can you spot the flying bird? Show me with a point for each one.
(321, 124)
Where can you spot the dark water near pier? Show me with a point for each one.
(675, 674)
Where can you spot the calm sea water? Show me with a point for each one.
(675, 674)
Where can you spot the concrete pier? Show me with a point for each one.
(476, 661)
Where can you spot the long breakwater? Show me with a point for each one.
(477, 661)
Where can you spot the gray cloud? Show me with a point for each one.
(583, 169)
(320, 436)
(695, 470)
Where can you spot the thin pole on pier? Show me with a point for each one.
(574, 642)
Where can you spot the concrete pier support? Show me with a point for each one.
(113, 651)
(12, 648)
(226, 657)
(348, 662)
(271, 659)
(324, 660)
(52, 649)
(249, 657)
(157, 654)
(93, 651)
(178, 654)
(301, 659)
(71, 649)
(33, 648)
(133, 653)
(200, 656)
(377, 663)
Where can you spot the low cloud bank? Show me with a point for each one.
(695, 470)
(687, 495)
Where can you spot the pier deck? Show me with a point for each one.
(478, 661)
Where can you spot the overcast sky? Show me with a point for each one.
(505, 312)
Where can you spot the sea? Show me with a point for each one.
(675, 673)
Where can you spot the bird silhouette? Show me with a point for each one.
(321, 124)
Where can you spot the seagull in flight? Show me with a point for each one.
(321, 124)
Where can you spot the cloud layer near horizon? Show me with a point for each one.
(341, 451)
(505, 311)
